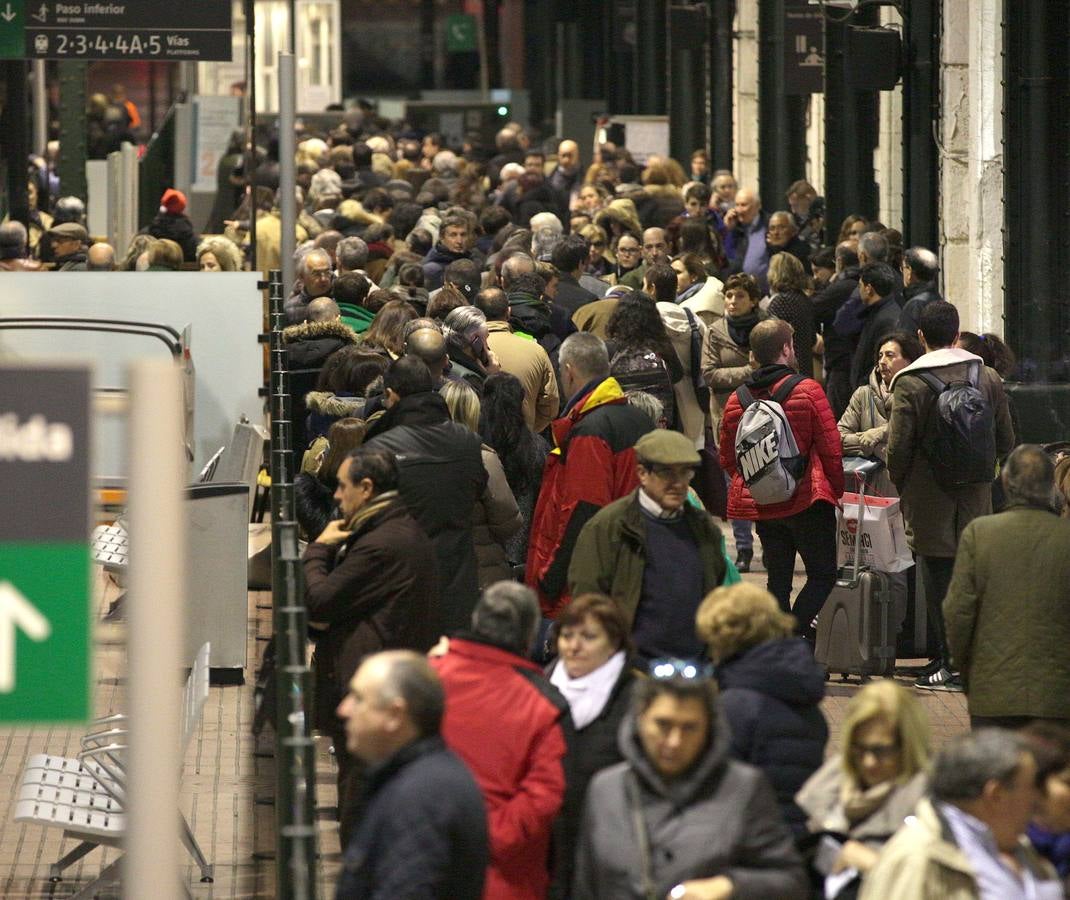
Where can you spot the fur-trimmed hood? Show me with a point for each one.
(316, 331)
(325, 403)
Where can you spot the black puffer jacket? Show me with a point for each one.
(310, 343)
(442, 477)
(771, 694)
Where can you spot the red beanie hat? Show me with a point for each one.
(173, 201)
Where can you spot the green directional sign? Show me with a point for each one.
(461, 34)
(45, 633)
(12, 29)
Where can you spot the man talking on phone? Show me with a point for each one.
(369, 586)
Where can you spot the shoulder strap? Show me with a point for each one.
(691, 320)
(631, 792)
(932, 381)
(745, 397)
(784, 391)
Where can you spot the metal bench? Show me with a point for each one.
(85, 795)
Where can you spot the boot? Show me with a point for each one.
(743, 559)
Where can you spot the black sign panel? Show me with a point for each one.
(804, 50)
(196, 30)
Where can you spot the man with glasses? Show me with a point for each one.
(317, 280)
(679, 818)
(652, 551)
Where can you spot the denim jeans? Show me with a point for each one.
(812, 534)
(741, 530)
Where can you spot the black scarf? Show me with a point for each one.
(739, 327)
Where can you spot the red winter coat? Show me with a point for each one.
(592, 464)
(816, 435)
(507, 723)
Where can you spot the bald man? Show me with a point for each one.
(309, 343)
(429, 345)
(100, 258)
(566, 177)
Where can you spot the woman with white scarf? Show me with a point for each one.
(594, 673)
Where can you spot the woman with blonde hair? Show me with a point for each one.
(771, 689)
(860, 796)
(495, 516)
(598, 262)
(218, 254)
(788, 301)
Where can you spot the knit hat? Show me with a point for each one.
(173, 202)
(667, 448)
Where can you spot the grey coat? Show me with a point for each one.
(721, 818)
(725, 366)
(935, 516)
(495, 518)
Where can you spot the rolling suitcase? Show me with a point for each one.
(856, 626)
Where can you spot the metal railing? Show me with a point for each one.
(295, 766)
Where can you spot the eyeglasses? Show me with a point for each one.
(685, 669)
(627, 249)
(880, 752)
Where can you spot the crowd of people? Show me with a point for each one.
(533, 389)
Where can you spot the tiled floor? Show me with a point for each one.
(223, 778)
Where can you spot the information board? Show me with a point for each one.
(196, 30)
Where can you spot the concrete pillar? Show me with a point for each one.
(971, 169)
(888, 162)
(815, 144)
(745, 119)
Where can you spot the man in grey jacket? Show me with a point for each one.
(678, 818)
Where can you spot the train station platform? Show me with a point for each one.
(227, 774)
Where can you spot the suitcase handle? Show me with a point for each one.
(861, 475)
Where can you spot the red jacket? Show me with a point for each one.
(509, 725)
(591, 465)
(816, 435)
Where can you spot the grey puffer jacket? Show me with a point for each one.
(721, 818)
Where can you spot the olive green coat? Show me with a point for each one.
(610, 554)
(1008, 614)
(935, 516)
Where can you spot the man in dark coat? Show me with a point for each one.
(369, 586)
(452, 245)
(424, 828)
(68, 247)
(876, 287)
(920, 268)
(782, 236)
(568, 257)
(838, 348)
(441, 477)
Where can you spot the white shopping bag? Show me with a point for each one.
(884, 536)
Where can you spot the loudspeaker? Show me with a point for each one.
(872, 60)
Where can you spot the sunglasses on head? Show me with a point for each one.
(685, 669)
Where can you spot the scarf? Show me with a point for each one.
(739, 327)
(860, 803)
(587, 696)
(375, 506)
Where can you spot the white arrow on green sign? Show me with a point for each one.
(45, 634)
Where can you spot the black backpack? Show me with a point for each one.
(960, 440)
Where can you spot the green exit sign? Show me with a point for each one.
(45, 625)
(461, 34)
(12, 29)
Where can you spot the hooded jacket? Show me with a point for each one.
(864, 429)
(690, 415)
(441, 478)
(591, 465)
(438, 257)
(815, 433)
(511, 728)
(325, 408)
(707, 302)
(177, 228)
(310, 343)
(725, 366)
(719, 818)
(771, 695)
(935, 515)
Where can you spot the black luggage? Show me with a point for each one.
(856, 626)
